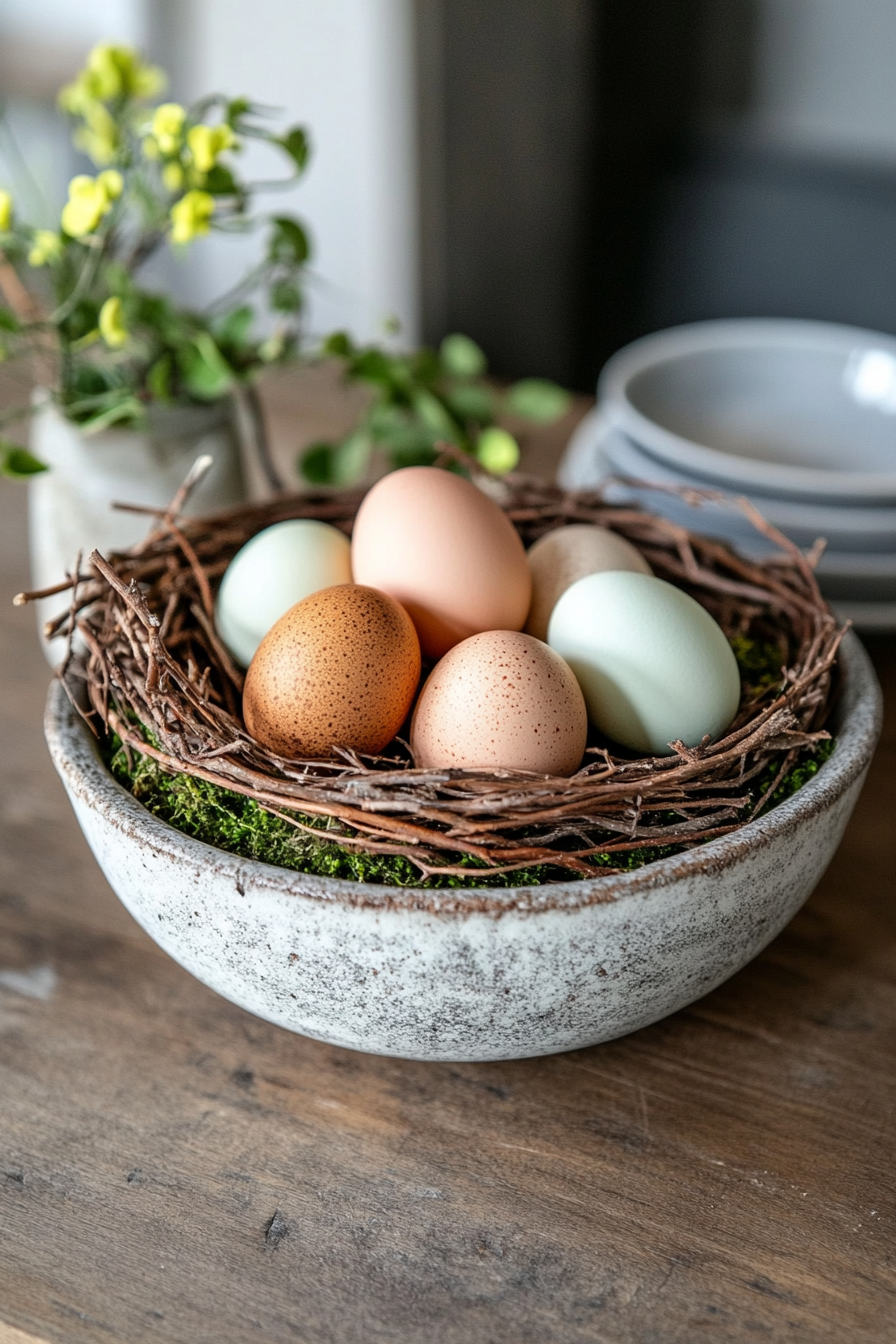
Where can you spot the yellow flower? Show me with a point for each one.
(5, 211)
(168, 127)
(190, 216)
(173, 176)
(207, 142)
(89, 199)
(147, 80)
(113, 72)
(150, 147)
(106, 65)
(112, 328)
(99, 136)
(45, 246)
(111, 182)
(110, 72)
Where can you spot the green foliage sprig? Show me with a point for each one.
(423, 398)
(168, 175)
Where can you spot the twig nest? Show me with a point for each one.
(654, 666)
(446, 552)
(340, 669)
(566, 554)
(501, 700)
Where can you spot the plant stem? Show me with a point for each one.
(262, 442)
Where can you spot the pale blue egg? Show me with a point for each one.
(653, 665)
(274, 571)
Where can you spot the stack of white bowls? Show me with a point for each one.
(799, 417)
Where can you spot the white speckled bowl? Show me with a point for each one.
(475, 974)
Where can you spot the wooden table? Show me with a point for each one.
(172, 1169)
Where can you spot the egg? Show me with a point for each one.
(652, 663)
(340, 668)
(446, 552)
(272, 572)
(501, 700)
(561, 557)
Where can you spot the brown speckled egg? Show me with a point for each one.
(563, 556)
(340, 668)
(446, 552)
(501, 700)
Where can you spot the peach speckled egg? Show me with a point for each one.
(501, 700)
(446, 552)
(561, 557)
(340, 668)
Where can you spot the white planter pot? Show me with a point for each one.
(70, 506)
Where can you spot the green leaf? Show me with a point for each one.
(295, 142)
(235, 328)
(538, 399)
(434, 416)
(9, 321)
(289, 242)
(125, 409)
(220, 181)
(375, 366)
(18, 462)
(236, 108)
(337, 463)
(206, 372)
(497, 450)
(158, 379)
(351, 458)
(413, 455)
(471, 401)
(339, 344)
(286, 297)
(462, 357)
(316, 464)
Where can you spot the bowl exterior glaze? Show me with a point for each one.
(467, 975)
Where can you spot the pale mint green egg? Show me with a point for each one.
(653, 665)
(274, 571)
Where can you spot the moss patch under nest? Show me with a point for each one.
(237, 824)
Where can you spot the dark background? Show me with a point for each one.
(586, 178)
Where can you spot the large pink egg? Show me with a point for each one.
(446, 552)
(501, 700)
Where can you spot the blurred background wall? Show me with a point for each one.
(552, 176)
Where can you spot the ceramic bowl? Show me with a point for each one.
(793, 409)
(846, 529)
(470, 974)
(857, 572)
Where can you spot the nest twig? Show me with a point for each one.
(153, 658)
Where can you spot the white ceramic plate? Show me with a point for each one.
(801, 409)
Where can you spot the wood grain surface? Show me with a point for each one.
(172, 1169)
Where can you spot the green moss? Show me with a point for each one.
(759, 664)
(237, 824)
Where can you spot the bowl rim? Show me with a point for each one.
(783, 511)
(858, 721)
(663, 347)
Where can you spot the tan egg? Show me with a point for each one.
(446, 552)
(562, 557)
(340, 668)
(501, 700)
